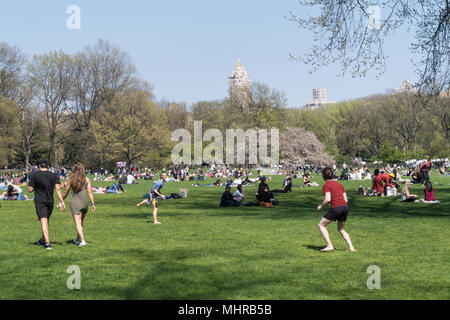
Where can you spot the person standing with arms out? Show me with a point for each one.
(43, 183)
(425, 171)
(78, 203)
(335, 194)
(153, 195)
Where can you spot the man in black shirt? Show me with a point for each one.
(42, 183)
(227, 198)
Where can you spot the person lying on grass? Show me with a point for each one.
(218, 183)
(153, 197)
(335, 194)
(287, 187)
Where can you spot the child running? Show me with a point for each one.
(335, 194)
(153, 197)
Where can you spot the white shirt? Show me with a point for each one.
(130, 179)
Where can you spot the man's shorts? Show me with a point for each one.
(338, 213)
(43, 209)
(152, 199)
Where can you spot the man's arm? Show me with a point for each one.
(60, 197)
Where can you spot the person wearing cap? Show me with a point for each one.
(43, 183)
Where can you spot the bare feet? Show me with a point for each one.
(156, 222)
(327, 249)
(351, 249)
(138, 206)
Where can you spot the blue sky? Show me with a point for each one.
(187, 49)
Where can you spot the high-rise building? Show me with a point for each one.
(320, 96)
(239, 84)
(407, 87)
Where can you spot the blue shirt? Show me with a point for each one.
(158, 185)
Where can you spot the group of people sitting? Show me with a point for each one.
(14, 178)
(264, 196)
(428, 193)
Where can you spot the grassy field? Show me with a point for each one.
(202, 251)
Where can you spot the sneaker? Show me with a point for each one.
(41, 242)
(82, 244)
(75, 240)
(48, 246)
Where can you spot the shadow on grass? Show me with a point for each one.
(177, 275)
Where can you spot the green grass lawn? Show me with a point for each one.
(202, 251)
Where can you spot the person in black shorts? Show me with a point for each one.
(42, 183)
(335, 194)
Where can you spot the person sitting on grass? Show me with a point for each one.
(335, 194)
(287, 187)
(416, 176)
(429, 192)
(264, 197)
(227, 199)
(307, 180)
(406, 196)
(239, 194)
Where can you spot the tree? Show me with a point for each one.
(100, 71)
(8, 122)
(129, 128)
(51, 76)
(263, 110)
(388, 153)
(176, 114)
(30, 120)
(298, 146)
(11, 64)
(211, 113)
(348, 32)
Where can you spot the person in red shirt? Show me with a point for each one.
(377, 185)
(387, 180)
(335, 194)
(425, 171)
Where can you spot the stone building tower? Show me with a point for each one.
(239, 85)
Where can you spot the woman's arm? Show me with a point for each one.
(91, 195)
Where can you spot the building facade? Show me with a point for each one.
(239, 85)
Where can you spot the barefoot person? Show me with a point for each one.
(153, 197)
(335, 194)
(42, 183)
(78, 203)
